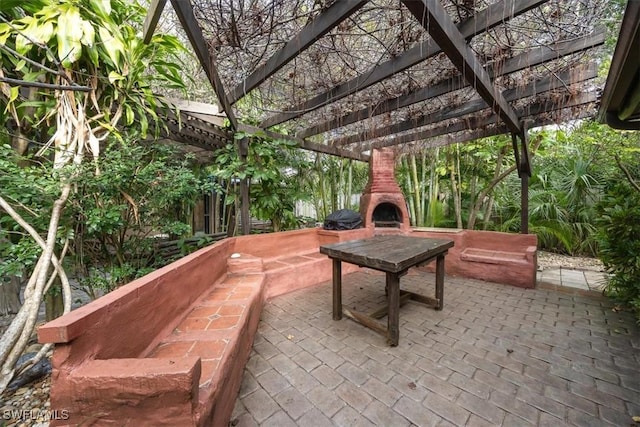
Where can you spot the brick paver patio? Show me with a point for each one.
(496, 355)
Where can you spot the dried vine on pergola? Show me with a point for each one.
(352, 75)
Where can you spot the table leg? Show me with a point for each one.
(393, 285)
(337, 289)
(440, 282)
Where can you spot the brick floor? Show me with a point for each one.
(496, 355)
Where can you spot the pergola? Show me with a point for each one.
(343, 77)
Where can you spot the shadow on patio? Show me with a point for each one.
(496, 355)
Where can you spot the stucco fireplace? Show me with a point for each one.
(382, 204)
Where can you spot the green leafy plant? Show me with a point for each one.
(73, 73)
(273, 168)
(141, 192)
(619, 242)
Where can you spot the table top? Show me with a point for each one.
(390, 253)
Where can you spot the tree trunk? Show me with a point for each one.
(10, 295)
(9, 292)
(434, 188)
(497, 179)
(419, 218)
(455, 190)
(53, 301)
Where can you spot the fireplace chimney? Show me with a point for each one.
(382, 203)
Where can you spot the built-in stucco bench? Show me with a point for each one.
(166, 349)
(170, 348)
(291, 260)
(489, 255)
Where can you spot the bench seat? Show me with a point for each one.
(493, 257)
(219, 330)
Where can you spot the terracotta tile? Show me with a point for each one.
(194, 324)
(273, 265)
(203, 311)
(209, 367)
(295, 260)
(234, 280)
(172, 349)
(208, 349)
(240, 296)
(231, 310)
(225, 322)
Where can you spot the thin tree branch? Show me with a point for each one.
(627, 174)
(45, 85)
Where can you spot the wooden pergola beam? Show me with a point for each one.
(471, 135)
(306, 145)
(184, 11)
(524, 60)
(550, 82)
(151, 21)
(481, 121)
(486, 19)
(436, 21)
(321, 25)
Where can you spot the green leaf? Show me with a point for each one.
(93, 55)
(69, 35)
(144, 126)
(102, 7)
(20, 65)
(88, 34)
(15, 91)
(112, 45)
(128, 114)
(115, 77)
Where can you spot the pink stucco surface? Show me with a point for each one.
(489, 255)
(170, 347)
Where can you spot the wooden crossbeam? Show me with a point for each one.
(533, 122)
(493, 15)
(481, 122)
(151, 21)
(524, 60)
(184, 10)
(547, 83)
(321, 25)
(306, 145)
(436, 21)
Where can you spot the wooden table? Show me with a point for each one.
(393, 254)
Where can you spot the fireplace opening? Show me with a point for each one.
(387, 215)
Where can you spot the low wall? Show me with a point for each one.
(292, 259)
(103, 351)
(488, 255)
(126, 325)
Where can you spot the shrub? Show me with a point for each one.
(619, 243)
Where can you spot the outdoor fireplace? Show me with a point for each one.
(382, 203)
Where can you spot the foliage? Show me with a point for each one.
(273, 168)
(333, 182)
(83, 43)
(72, 72)
(619, 239)
(141, 191)
(32, 188)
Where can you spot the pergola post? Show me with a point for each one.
(524, 204)
(245, 219)
(524, 170)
